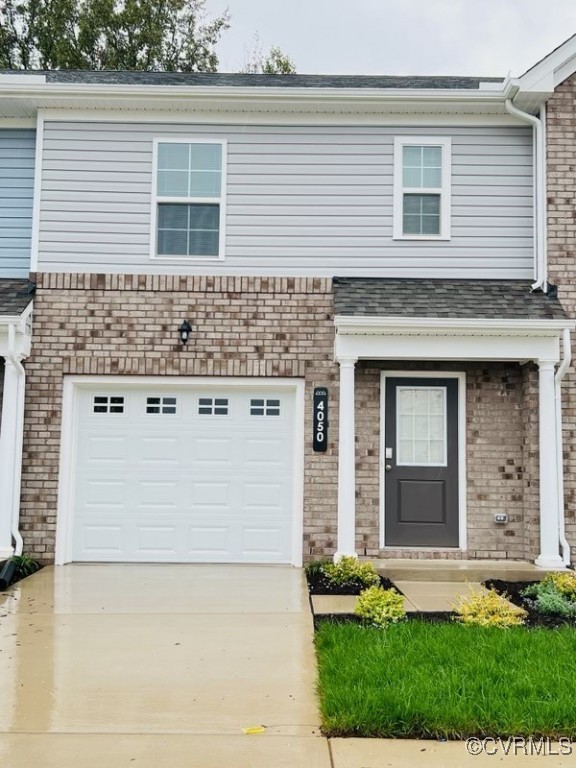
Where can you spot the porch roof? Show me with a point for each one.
(444, 299)
(15, 296)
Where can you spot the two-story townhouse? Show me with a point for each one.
(283, 317)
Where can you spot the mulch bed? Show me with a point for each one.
(318, 584)
(513, 589)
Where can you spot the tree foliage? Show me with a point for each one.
(275, 62)
(153, 35)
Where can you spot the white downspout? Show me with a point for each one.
(560, 373)
(541, 277)
(18, 439)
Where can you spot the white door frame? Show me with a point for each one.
(67, 472)
(462, 490)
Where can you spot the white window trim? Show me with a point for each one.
(445, 436)
(155, 199)
(445, 191)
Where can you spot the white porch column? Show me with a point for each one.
(8, 456)
(549, 556)
(346, 463)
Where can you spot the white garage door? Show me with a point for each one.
(184, 476)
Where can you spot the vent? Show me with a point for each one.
(161, 405)
(264, 407)
(103, 404)
(213, 406)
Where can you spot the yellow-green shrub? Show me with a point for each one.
(488, 609)
(380, 606)
(349, 571)
(563, 581)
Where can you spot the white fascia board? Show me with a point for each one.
(316, 100)
(354, 325)
(446, 347)
(552, 70)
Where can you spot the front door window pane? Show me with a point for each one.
(421, 426)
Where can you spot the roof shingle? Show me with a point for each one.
(480, 299)
(15, 295)
(227, 79)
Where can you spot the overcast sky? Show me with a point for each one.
(396, 37)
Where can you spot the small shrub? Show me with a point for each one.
(315, 568)
(350, 572)
(25, 566)
(552, 596)
(488, 609)
(380, 606)
(563, 581)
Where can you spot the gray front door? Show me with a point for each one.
(421, 462)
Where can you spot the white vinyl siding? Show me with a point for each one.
(308, 200)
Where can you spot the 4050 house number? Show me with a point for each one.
(320, 435)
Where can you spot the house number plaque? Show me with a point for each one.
(320, 438)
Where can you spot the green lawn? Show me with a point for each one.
(427, 680)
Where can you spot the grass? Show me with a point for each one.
(419, 680)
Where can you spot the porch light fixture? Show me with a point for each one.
(185, 331)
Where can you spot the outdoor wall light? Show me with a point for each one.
(185, 331)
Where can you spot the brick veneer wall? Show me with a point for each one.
(127, 325)
(561, 151)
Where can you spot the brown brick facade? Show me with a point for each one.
(561, 158)
(127, 325)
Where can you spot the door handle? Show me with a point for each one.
(388, 467)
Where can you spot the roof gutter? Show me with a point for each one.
(453, 325)
(539, 155)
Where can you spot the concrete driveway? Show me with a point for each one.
(148, 665)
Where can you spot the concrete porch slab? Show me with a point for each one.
(458, 570)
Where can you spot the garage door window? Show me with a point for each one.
(103, 404)
(264, 407)
(213, 406)
(161, 405)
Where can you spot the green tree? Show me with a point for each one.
(275, 62)
(153, 35)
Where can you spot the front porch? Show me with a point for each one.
(492, 388)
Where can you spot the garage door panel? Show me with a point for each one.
(184, 486)
(263, 543)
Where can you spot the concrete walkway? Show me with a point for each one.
(142, 666)
(131, 666)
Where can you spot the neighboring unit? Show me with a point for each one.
(207, 250)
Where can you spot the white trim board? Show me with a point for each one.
(462, 476)
(37, 200)
(69, 430)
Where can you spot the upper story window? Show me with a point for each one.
(422, 170)
(188, 199)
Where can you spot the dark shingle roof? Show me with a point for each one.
(15, 295)
(225, 79)
(484, 299)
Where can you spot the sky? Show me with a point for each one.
(398, 37)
